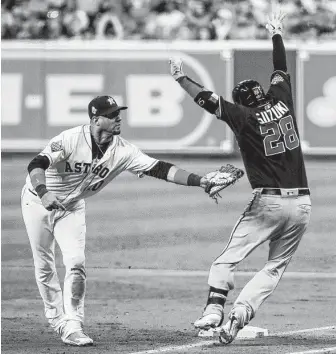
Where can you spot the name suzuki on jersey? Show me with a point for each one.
(274, 113)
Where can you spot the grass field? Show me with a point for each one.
(147, 223)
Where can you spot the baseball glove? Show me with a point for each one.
(220, 179)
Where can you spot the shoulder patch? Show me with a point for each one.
(56, 146)
(276, 79)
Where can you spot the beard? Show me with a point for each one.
(116, 132)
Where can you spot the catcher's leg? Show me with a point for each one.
(251, 230)
(38, 225)
(70, 232)
(262, 285)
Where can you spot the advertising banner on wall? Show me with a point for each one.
(316, 79)
(47, 90)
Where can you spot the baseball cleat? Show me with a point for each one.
(212, 317)
(230, 330)
(78, 339)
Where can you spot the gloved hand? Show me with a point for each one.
(275, 23)
(216, 181)
(176, 68)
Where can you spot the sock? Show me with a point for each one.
(217, 296)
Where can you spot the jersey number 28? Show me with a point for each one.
(274, 130)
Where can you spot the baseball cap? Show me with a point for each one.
(102, 105)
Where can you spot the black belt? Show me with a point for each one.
(32, 192)
(286, 191)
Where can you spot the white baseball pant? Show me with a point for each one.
(281, 220)
(68, 229)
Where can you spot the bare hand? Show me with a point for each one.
(51, 202)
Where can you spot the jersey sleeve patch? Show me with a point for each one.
(56, 146)
(276, 79)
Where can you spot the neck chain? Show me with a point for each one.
(105, 145)
(99, 149)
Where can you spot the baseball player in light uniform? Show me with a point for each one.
(266, 130)
(75, 165)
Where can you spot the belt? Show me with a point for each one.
(286, 192)
(32, 192)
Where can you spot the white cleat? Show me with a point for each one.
(212, 317)
(208, 321)
(230, 330)
(78, 339)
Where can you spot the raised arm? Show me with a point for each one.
(275, 27)
(233, 114)
(202, 96)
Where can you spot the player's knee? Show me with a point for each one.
(75, 262)
(79, 272)
(77, 266)
(271, 270)
(275, 269)
(78, 278)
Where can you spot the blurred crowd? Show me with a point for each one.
(163, 19)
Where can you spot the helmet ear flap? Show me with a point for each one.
(235, 95)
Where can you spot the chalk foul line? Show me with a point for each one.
(213, 342)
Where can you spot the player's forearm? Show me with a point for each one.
(190, 86)
(171, 173)
(279, 53)
(36, 170)
(38, 181)
(178, 176)
(206, 99)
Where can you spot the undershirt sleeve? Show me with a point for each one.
(39, 161)
(159, 170)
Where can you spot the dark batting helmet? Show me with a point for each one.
(249, 93)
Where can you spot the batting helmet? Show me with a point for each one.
(249, 93)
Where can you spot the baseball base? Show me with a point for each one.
(247, 332)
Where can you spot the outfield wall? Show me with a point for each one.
(46, 87)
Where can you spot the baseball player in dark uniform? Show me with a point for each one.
(266, 131)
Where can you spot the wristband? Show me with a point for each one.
(194, 180)
(41, 190)
(179, 176)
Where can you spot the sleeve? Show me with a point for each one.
(281, 86)
(140, 162)
(58, 149)
(234, 115)
(160, 170)
(279, 53)
(39, 161)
